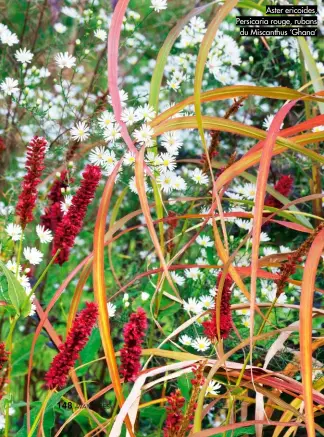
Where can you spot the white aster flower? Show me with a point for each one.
(173, 84)
(111, 309)
(193, 273)
(201, 344)
(97, 155)
(264, 237)
(45, 235)
(112, 133)
(65, 60)
(12, 266)
(179, 280)
(106, 119)
(33, 255)
(171, 141)
(193, 306)
(60, 28)
(24, 282)
(207, 302)
(179, 183)
(128, 116)
(146, 112)
(109, 159)
(144, 296)
(204, 240)
(268, 121)
(24, 56)
(167, 162)
(267, 251)
(159, 5)
(80, 132)
(129, 158)
(9, 86)
(144, 134)
(199, 177)
(213, 388)
(14, 231)
(185, 340)
(8, 38)
(166, 180)
(66, 204)
(100, 34)
(123, 98)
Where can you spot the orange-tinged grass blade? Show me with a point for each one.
(306, 303)
(112, 58)
(77, 294)
(139, 178)
(216, 123)
(100, 290)
(162, 57)
(228, 92)
(262, 179)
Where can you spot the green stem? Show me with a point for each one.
(19, 253)
(9, 349)
(39, 415)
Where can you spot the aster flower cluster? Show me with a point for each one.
(34, 166)
(71, 224)
(77, 338)
(134, 333)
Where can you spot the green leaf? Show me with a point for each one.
(89, 352)
(16, 292)
(155, 414)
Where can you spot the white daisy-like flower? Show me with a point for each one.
(267, 251)
(205, 241)
(167, 162)
(213, 388)
(199, 177)
(193, 273)
(264, 237)
(14, 231)
(65, 60)
(179, 183)
(179, 280)
(185, 340)
(80, 132)
(45, 235)
(112, 133)
(144, 134)
(109, 159)
(106, 119)
(166, 180)
(244, 224)
(9, 38)
(111, 309)
(129, 116)
(159, 5)
(145, 296)
(201, 344)
(60, 28)
(12, 266)
(193, 306)
(284, 249)
(146, 112)
(129, 158)
(249, 191)
(24, 282)
(207, 301)
(100, 34)
(65, 205)
(24, 56)
(245, 321)
(9, 86)
(123, 98)
(171, 141)
(33, 255)
(97, 155)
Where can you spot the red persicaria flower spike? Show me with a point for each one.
(225, 322)
(77, 338)
(175, 415)
(72, 222)
(134, 333)
(3, 368)
(34, 166)
(284, 187)
(53, 213)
